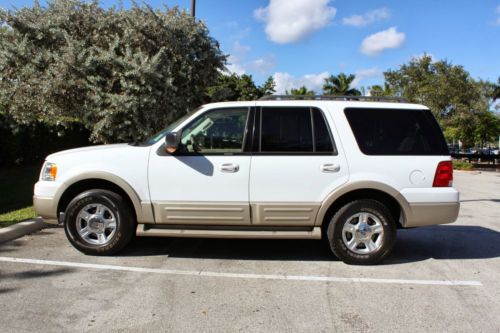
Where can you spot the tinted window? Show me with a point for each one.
(396, 132)
(218, 131)
(322, 138)
(286, 130)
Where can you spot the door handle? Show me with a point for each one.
(229, 167)
(329, 167)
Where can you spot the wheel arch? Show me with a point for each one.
(389, 196)
(105, 181)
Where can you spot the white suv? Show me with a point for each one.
(351, 170)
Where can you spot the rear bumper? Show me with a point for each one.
(422, 214)
(431, 206)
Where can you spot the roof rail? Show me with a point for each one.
(332, 98)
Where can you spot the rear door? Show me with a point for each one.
(295, 164)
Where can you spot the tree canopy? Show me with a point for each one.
(340, 85)
(496, 92)
(458, 102)
(233, 87)
(382, 90)
(301, 91)
(123, 73)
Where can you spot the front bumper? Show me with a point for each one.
(43, 201)
(44, 207)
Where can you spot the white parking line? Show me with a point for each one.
(239, 275)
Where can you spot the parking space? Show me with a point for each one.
(439, 278)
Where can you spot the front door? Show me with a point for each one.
(206, 180)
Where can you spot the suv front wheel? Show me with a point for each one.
(362, 232)
(99, 222)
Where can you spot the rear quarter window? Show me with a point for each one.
(396, 131)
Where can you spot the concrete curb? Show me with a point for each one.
(20, 229)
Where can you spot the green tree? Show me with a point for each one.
(233, 87)
(123, 73)
(496, 92)
(340, 85)
(448, 90)
(301, 91)
(487, 128)
(268, 88)
(378, 90)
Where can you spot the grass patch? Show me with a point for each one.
(16, 216)
(462, 165)
(16, 194)
(16, 187)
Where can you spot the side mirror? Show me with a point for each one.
(172, 142)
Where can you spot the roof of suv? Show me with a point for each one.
(343, 101)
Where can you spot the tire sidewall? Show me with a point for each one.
(111, 200)
(336, 225)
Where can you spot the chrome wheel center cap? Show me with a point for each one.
(96, 223)
(362, 231)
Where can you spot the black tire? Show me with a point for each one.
(335, 232)
(115, 204)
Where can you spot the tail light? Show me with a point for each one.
(444, 175)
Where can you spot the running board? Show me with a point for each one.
(235, 232)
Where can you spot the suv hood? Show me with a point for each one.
(89, 149)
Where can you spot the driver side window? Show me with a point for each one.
(217, 131)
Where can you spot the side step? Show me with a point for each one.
(226, 232)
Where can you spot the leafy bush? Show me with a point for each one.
(29, 144)
(462, 165)
(122, 73)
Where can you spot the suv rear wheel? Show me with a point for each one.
(362, 232)
(99, 222)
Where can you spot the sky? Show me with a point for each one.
(300, 42)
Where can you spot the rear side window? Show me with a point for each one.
(286, 130)
(294, 130)
(396, 132)
(322, 137)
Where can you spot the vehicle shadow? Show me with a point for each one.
(475, 200)
(446, 242)
(230, 249)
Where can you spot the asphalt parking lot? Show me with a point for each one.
(440, 278)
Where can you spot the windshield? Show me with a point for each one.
(161, 134)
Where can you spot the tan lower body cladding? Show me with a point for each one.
(231, 213)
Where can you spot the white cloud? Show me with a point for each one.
(238, 64)
(234, 66)
(263, 65)
(240, 49)
(497, 21)
(367, 18)
(235, 59)
(286, 82)
(289, 21)
(378, 42)
(369, 73)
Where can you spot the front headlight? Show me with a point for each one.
(49, 172)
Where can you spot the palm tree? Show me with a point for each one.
(378, 90)
(340, 85)
(302, 91)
